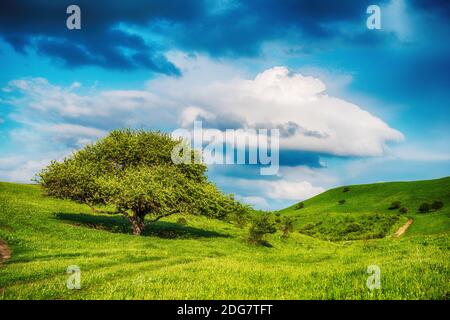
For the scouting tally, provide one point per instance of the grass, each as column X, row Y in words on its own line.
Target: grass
column 209, row 259
column 366, row 214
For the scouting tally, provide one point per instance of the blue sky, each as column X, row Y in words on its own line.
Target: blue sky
column 380, row 97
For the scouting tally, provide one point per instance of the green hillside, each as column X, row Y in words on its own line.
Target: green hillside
column 210, row 259
column 366, row 214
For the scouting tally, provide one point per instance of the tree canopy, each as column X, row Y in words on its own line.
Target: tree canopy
column 133, row 171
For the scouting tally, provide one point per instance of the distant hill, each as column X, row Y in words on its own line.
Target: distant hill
column 365, row 214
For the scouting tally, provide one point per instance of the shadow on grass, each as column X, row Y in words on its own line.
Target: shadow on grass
column 119, row 224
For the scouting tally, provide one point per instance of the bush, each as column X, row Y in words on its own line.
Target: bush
column 261, row 225
column 341, row 201
column 395, row 205
column 403, row 210
column 240, row 215
column 182, row 220
column 424, row 207
column 299, row 206
column 353, row 227
column 307, row 226
column 346, row 189
column 286, row 226
column 436, row 205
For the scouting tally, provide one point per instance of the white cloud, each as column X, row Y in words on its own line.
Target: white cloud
column 72, row 135
column 20, row 169
column 418, row 153
column 395, row 17
column 64, row 135
column 256, row 201
column 324, row 177
column 44, row 98
column 276, row 97
column 281, row 189
column 292, row 190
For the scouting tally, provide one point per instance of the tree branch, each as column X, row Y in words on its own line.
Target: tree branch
column 161, row 216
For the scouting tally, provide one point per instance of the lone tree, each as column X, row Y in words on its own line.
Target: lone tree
column 133, row 171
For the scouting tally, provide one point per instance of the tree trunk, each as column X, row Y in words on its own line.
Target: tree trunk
column 138, row 224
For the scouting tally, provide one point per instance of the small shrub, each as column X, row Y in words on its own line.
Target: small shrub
column 308, row 226
column 395, row 205
column 436, row 205
column 346, row 189
column 299, row 206
column 240, row 215
column 260, row 226
column 182, row 220
column 353, row 227
column 424, row 207
column 287, row 225
column 341, row 201
column 403, row 210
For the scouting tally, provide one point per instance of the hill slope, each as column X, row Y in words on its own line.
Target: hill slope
column 366, row 214
column 203, row 259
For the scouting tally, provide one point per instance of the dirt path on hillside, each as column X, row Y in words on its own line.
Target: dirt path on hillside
column 5, row 252
column 403, row 228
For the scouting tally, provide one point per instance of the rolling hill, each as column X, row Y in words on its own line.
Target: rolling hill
column 365, row 214
column 210, row 259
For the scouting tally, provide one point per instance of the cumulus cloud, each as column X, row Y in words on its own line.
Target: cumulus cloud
column 41, row 96
column 256, row 201
column 71, row 135
column 299, row 106
column 292, row 190
column 20, row 169
column 280, row 189
column 308, row 118
column 419, row 153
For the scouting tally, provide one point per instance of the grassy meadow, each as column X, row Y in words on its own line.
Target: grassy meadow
column 365, row 214
column 325, row 257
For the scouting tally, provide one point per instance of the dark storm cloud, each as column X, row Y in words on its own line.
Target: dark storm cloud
column 242, row 29
column 220, row 28
column 440, row 7
column 42, row 25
